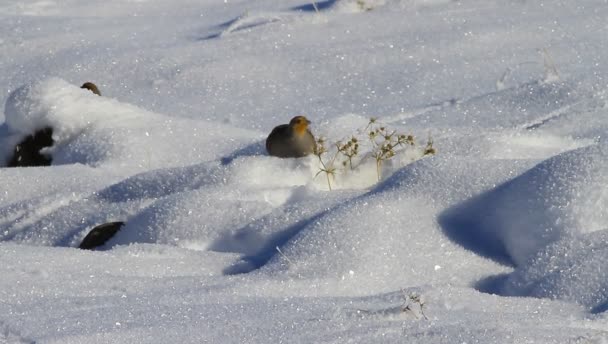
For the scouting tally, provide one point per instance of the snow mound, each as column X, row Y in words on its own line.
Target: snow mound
column 187, row 206
column 389, row 235
column 96, row 130
column 562, row 196
column 171, row 180
column 359, row 6
column 572, row 269
column 355, row 6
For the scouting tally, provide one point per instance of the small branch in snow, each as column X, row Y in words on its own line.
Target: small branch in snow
column 414, row 304
column 551, row 73
column 284, row 256
column 250, row 20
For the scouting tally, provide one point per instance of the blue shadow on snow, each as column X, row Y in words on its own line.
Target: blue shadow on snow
column 466, row 225
column 309, row 7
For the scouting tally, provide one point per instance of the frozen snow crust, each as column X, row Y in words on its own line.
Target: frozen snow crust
column 502, row 233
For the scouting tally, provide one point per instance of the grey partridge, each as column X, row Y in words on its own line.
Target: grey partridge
column 91, row 87
column 293, row 140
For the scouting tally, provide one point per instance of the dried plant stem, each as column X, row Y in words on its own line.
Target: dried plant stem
column 328, row 168
column 328, row 181
column 385, row 144
column 327, row 172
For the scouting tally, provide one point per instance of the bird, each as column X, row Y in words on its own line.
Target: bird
column 27, row 152
column 91, row 87
column 99, row 235
column 293, row 140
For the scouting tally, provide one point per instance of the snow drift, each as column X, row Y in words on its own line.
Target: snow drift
column 221, row 239
column 562, row 196
column 572, row 269
column 94, row 130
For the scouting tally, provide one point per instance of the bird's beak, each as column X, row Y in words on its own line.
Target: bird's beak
column 308, row 121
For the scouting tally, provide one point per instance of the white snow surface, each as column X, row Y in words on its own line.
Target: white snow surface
column 500, row 237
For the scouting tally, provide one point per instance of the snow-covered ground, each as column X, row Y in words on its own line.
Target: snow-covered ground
column 500, row 237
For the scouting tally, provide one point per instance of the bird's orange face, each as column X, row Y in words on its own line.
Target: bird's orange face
column 299, row 124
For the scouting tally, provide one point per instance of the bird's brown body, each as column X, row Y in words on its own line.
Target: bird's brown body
column 91, row 87
column 293, row 140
